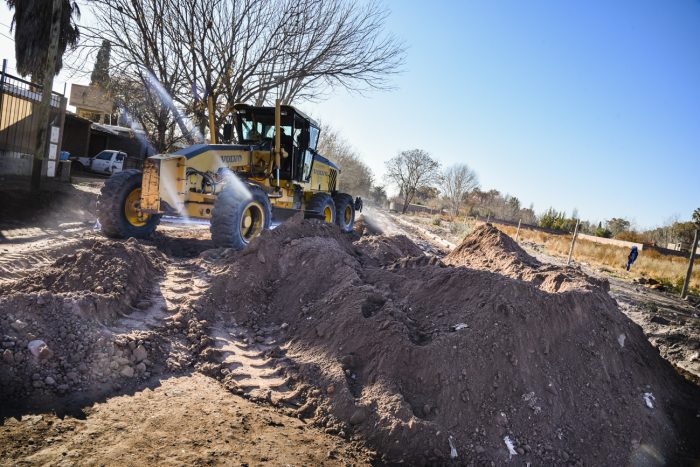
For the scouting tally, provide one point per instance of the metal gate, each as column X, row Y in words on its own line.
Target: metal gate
column 18, row 125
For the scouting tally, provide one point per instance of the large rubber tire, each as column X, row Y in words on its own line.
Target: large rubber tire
column 117, row 207
column 344, row 212
column 231, row 214
column 323, row 205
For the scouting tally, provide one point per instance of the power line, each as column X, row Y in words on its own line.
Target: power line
column 7, row 37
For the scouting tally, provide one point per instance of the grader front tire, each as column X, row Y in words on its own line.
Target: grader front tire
column 118, row 207
column 236, row 221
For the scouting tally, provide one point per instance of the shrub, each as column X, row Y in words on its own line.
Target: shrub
column 460, row 229
column 437, row 220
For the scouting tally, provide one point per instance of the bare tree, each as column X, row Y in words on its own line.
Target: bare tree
column 410, row 171
column 355, row 177
column 458, row 181
column 247, row 50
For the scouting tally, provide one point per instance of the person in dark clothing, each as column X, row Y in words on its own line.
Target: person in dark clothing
column 303, row 139
column 632, row 257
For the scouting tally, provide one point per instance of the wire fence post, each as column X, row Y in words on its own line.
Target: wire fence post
column 573, row 242
column 488, row 218
column 2, row 83
column 686, row 284
column 517, row 232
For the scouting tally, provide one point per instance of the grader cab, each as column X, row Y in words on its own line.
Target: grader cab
column 271, row 172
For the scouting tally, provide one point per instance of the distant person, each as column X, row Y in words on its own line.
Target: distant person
column 631, row 258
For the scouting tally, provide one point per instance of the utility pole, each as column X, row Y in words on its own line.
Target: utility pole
column 44, row 108
column 212, row 128
column 573, row 242
column 684, row 292
column 517, row 232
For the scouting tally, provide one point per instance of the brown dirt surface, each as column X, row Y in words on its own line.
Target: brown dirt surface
column 110, row 268
column 489, row 249
column 187, row 420
column 434, row 364
column 386, row 250
column 53, row 324
column 344, row 341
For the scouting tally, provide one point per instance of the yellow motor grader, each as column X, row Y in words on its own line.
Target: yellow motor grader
column 271, row 172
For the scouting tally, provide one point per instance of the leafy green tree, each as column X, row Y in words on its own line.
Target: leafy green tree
column 683, row 232
column 601, row 231
column 100, row 74
column 696, row 217
column 31, row 22
column 617, row 225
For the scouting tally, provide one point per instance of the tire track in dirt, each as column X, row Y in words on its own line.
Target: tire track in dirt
column 247, row 365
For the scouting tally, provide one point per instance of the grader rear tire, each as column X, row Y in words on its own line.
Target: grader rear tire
column 344, row 212
column 118, row 207
column 323, row 205
column 236, row 221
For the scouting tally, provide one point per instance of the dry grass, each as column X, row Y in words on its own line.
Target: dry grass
column 651, row 264
column 667, row 269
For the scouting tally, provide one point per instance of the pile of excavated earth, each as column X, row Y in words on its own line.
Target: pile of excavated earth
column 483, row 356
column 52, row 323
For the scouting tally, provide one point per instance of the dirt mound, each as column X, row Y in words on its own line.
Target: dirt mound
column 386, row 250
column 489, row 249
column 53, row 346
column 52, row 324
column 115, row 274
column 443, row 364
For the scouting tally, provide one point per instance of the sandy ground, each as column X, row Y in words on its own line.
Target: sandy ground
column 183, row 420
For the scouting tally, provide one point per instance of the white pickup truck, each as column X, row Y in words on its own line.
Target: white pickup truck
column 105, row 162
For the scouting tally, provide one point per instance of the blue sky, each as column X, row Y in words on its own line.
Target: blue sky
column 592, row 105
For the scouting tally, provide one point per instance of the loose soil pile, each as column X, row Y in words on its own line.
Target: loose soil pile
column 52, row 324
column 489, row 249
column 492, row 358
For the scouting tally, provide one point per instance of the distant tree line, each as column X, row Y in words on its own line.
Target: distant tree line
column 355, row 176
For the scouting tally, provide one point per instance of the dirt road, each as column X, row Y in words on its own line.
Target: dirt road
column 182, row 420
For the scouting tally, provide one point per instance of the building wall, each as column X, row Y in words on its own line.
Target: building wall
column 15, row 163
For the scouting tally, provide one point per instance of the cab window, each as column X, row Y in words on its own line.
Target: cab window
column 120, row 157
column 104, row 156
column 308, row 161
column 256, row 131
column 313, row 137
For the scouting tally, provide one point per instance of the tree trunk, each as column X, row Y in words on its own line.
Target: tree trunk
column 44, row 108
column 406, row 202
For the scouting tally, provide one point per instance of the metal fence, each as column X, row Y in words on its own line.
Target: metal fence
column 19, row 123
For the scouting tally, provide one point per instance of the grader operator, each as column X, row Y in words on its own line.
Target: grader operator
column 271, row 172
